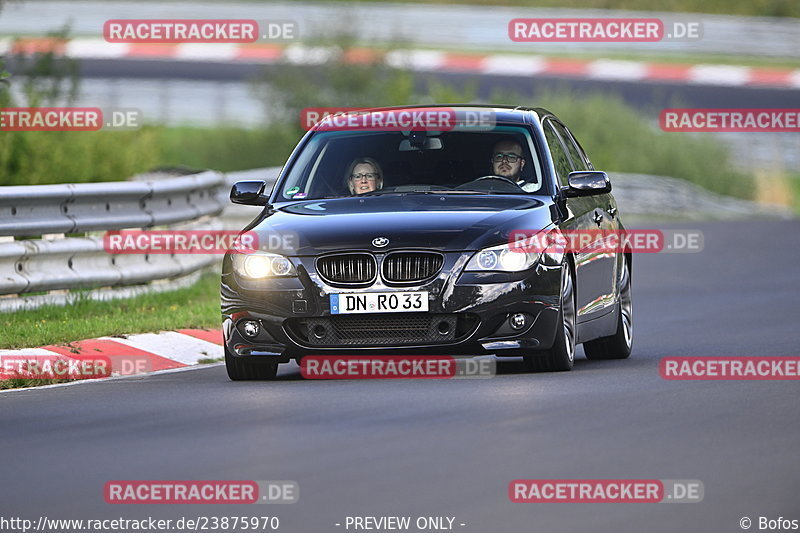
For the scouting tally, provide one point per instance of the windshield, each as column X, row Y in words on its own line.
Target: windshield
column 356, row 163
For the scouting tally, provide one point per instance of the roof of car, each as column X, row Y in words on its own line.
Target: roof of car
column 503, row 113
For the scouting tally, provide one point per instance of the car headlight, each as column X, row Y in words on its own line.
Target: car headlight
column 547, row 247
column 258, row 265
column 503, row 258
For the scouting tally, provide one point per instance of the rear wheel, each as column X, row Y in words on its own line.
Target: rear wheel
column 618, row 345
column 247, row 368
column 562, row 355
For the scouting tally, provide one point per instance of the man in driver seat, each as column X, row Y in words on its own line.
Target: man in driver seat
column 507, row 161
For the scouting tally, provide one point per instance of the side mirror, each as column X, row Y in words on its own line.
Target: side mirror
column 249, row 193
column 587, row 183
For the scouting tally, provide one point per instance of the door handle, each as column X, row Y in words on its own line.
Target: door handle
column 598, row 217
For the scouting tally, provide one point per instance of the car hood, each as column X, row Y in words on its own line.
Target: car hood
column 445, row 222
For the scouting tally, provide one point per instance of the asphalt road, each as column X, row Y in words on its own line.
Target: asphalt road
column 450, row 448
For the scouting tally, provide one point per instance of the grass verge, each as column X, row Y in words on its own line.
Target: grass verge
column 210, row 360
column 21, row 383
column 190, row 307
column 795, row 181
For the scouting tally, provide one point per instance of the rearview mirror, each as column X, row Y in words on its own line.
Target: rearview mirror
column 587, row 183
column 428, row 143
column 249, row 193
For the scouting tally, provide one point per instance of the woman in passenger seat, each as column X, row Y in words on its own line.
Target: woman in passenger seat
column 364, row 175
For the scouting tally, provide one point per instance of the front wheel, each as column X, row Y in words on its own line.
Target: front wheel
column 248, row 369
column 618, row 345
column 562, row 355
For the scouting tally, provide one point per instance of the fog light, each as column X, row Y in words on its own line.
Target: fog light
column 517, row 321
column 250, row 328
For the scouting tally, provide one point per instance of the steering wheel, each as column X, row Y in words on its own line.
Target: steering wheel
column 502, row 179
column 496, row 177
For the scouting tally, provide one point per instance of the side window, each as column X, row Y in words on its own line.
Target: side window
column 560, row 158
column 578, row 160
column 585, row 157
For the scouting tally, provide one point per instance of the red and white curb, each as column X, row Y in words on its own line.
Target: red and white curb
column 152, row 352
column 419, row 60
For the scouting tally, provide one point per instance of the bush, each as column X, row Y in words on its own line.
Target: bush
column 37, row 157
column 617, row 137
column 227, row 148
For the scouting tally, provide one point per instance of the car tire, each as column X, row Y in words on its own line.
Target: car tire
column 247, row 369
column 618, row 345
column 561, row 356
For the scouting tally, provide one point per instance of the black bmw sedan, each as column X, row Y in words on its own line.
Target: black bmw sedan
column 398, row 231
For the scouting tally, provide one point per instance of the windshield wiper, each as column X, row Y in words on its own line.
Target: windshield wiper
column 473, row 191
column 443, row 191
column 376, row 193
column 447, row 191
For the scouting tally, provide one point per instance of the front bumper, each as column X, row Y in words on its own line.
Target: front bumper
column 468, row 314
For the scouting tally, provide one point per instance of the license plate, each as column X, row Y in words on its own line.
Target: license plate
column 379, row 302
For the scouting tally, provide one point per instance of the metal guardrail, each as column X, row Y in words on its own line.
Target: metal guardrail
column 57, row 259
column 32, row 210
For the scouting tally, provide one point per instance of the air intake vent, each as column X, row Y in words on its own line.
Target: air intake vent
column 381, row 329
column 347, row 268
column 408, row 267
